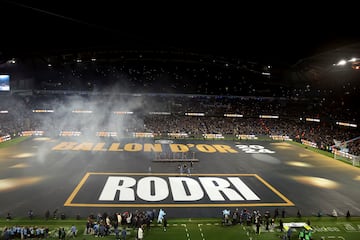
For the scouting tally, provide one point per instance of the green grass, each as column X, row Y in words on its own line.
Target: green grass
column 12, row 142
column 325, row 153
column 209, row 229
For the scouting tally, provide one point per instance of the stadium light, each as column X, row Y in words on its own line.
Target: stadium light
column 353, row 59
column 341, row 63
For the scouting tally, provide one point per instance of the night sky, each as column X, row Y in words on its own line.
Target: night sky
column 286, row 32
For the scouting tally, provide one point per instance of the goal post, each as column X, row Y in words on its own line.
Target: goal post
column 344, row 156
column 341, row 151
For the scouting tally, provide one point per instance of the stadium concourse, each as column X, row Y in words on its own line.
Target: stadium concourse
column 75, row 176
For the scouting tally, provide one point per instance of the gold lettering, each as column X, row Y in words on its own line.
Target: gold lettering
column 115, row 147
column 65, row 146
column 99, row 147
column 132, row 147
column 148, row 147
column 178, row 148
column 84, row 146
column 224, row 148
column 205, row 148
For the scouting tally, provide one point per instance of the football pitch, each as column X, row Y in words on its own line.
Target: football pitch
column 187, row 178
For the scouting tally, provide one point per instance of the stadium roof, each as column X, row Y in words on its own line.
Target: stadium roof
column 297, row 36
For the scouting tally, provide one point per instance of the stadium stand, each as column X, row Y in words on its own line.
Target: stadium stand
column 190, row 94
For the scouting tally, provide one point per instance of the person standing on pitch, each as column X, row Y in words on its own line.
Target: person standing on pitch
column 165, row 223
column 140, row 233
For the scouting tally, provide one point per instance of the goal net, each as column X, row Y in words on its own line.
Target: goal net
column 341, row 151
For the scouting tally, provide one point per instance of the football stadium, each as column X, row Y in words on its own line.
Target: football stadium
column 132, row 137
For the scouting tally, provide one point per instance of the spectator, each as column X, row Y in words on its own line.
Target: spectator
column 348, row 214
column 165, row 223
column 281, row 225
column 334, row 213
column 62, row 233
column 55, row 213
column 288, row 233
column 123, row 233
column 47, row 214
column 140, row 233
column 283, row 213
column 31, row 214
column 73, row 231
column 276, row 213
column 8, row 217
column 117, row 235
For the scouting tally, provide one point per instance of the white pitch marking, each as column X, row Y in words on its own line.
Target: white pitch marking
column 200, row 229
column 186, row 230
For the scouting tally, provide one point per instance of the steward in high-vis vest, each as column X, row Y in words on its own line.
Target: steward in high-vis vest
column 302, row 235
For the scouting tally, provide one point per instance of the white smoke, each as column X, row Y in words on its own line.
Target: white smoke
column 90, row 114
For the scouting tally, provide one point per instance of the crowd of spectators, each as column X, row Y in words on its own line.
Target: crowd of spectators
column 119, row 223
column 25, row 232
column 175, row 83
column 291, row 117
